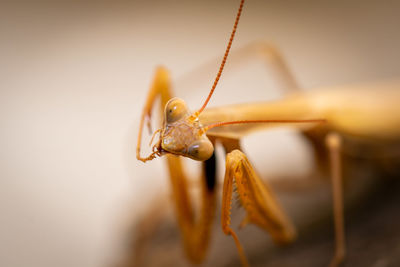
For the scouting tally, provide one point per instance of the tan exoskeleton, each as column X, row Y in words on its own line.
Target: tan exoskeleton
column 333, row 113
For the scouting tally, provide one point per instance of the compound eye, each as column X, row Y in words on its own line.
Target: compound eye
column 201, row 150
column 175, row 109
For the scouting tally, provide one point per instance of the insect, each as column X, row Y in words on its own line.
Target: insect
column 330, row 116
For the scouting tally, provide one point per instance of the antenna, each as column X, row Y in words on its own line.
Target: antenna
column 218, row 124
column 224, row 59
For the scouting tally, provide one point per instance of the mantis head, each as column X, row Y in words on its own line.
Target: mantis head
column 182, row 134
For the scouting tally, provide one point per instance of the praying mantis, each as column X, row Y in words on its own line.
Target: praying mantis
column 325, row 117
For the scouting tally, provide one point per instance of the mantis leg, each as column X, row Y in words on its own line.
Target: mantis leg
column 195, row 233
column 159, row 88
column 275, row 62
column 195, row 230
column 268, row 53
column 256, row 197
column 333, row 142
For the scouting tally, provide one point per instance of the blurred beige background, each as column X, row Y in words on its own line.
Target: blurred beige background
column 73, row 80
